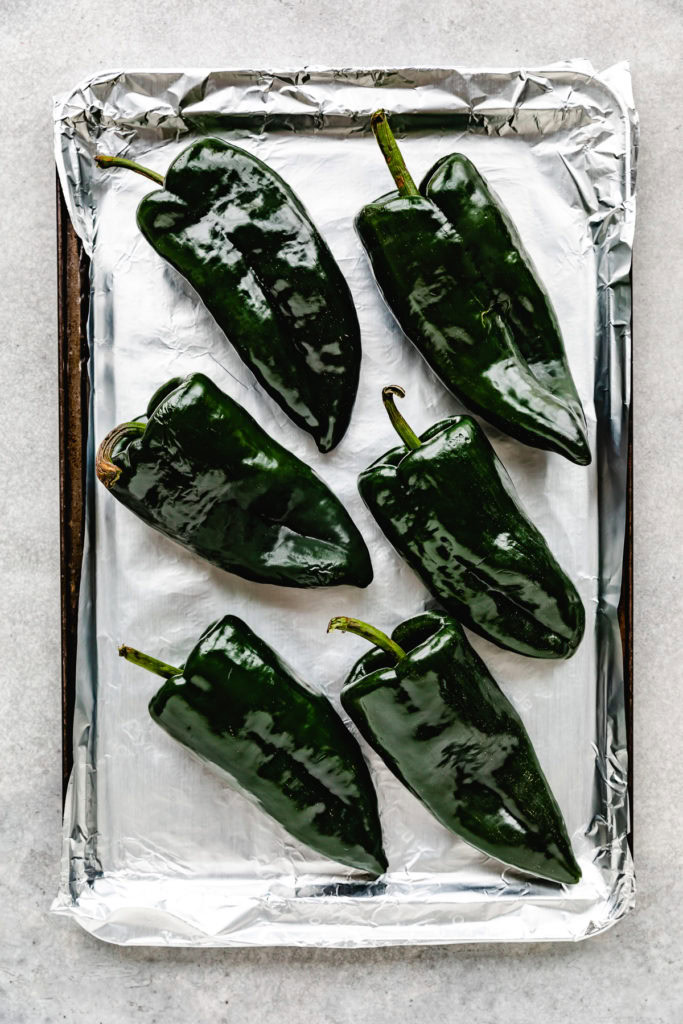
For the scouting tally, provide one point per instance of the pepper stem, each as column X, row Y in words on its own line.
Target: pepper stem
column 103, row 160
column 160, row 668
column 375, row 636
column 392, row 154
column 105, row 470
column 403, row 429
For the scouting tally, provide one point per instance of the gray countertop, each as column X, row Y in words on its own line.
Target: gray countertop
column 51, row 971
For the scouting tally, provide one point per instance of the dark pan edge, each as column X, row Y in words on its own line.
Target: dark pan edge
column 72, row 298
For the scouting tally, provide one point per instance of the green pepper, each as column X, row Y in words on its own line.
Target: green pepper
column 230, row 225
column 427, row 704
column 446, row 503
column 461, row 193
column 243, row 711
column 433, row 281
column 204, row 473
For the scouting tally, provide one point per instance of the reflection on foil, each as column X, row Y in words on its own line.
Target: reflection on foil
column 156, row 849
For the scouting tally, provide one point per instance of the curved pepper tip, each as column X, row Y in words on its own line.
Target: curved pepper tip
column 582, row 453
column 380, row 864
column 559, row 866
column 360, row 571
column 371, row 860
column 565, row 869
column 573, row 444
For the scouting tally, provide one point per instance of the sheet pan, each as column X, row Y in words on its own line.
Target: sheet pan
column 155, row 849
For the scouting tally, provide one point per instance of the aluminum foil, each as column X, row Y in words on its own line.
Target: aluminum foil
column 156, row 849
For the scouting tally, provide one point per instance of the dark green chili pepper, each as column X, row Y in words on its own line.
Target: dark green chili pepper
column 241, row 709
column 446, row 503
column 230, row 225
column 204, row 473
column 427, row 704
column 455, row 185
column 434, row 283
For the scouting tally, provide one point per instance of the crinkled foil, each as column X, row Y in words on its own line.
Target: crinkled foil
column 156, row 849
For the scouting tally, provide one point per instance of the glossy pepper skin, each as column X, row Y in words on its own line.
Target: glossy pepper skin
column 203, row 472
column 432, row 281
column 462, row 194
column 242, row 238
column 240, row 708
column 443, row 726
column 451, row 511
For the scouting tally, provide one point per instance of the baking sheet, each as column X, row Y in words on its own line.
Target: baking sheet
column 156, row 850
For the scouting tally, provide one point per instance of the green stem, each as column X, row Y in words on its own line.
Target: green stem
column 105, row 470
column 403, row 429
column 102, row 160
column 375, row 636
column 392, row 154
column 160, row 668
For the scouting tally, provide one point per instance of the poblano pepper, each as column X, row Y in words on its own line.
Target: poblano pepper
column 241, row 709
column 204, row 473
column 242, row 238
column 449, row 303
column 455, row 185
column 427, row 704
column 446, row 503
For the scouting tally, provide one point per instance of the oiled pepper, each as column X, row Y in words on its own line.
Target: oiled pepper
column 446, row 503
column 242, row 238
column 203, row 472
column 455, row 185
column 243, row 711
column 427, row 704
column 449, row 304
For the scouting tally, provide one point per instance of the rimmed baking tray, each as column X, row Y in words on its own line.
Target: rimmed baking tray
column 75, row 327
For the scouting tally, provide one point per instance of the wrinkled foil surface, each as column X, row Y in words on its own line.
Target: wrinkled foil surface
column 157, row 850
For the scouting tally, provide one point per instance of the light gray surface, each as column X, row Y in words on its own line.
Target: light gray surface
column 49, row 970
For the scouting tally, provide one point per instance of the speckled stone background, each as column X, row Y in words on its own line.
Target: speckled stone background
column 50, row 971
